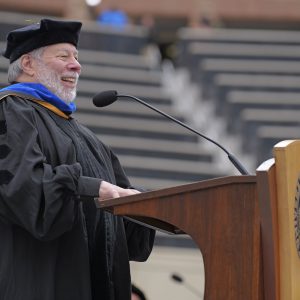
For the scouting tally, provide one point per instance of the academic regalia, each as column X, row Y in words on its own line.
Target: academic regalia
column 55, row 244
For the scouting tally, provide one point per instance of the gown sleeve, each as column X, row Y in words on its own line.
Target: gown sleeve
column 41, row 199
column 140, row 239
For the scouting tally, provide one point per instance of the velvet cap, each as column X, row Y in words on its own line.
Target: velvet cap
column 47, row 32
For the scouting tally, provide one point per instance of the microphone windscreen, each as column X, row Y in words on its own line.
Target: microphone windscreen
column 105, row 98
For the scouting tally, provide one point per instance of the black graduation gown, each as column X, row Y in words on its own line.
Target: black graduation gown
column 55, row 244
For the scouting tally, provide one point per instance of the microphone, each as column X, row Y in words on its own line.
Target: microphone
column 180, row 280
column 108, row 97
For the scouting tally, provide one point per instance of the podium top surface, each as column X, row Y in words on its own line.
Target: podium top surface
column 190, row 187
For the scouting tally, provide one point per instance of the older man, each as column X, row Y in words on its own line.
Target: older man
column 55, row 244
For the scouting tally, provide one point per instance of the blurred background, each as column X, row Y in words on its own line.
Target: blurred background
column 230, row 69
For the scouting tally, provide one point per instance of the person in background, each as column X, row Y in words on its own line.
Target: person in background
column 55, row 243
column 113, row 17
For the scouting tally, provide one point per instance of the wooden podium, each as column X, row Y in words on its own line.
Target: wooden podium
column 236, row 224
column 221, row 216
column 279, row 197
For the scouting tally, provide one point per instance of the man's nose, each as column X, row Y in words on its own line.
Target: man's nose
column 74, row 65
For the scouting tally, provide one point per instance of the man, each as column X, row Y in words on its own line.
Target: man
column 55, row 243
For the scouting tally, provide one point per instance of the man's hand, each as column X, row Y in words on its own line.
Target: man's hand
column 108, row 191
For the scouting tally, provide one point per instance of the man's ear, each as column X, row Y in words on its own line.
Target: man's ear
column 27, row 64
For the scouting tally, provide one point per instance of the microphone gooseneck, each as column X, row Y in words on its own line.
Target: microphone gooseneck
column 108, row 97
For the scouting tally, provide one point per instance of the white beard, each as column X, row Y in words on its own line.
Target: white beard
column 51, row 80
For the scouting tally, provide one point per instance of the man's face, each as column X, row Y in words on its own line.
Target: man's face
column 58, row 70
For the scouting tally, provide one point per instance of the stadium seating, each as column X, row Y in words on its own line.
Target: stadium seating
column 251, row 78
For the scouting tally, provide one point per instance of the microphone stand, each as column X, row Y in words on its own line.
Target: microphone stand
column 231, row 157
